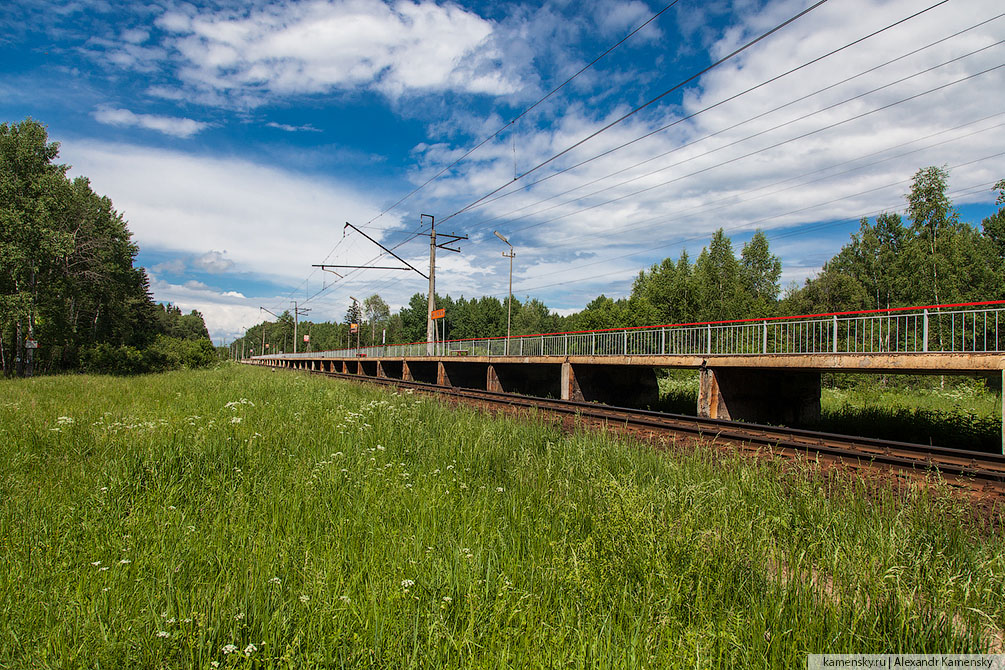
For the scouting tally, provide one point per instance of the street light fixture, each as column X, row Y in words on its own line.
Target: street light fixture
column 356, row 314
column 509, row 304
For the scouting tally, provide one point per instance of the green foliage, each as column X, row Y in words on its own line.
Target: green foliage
column 718, row 287
column 66, row 268
column 163, row 354
column 171, row 322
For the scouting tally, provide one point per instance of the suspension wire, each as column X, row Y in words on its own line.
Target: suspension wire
column 526, row 111
column 414, row 234
column 392, row 280
column 638, row 109
column 750, row 225
column 751, row 153
column 731, row 200
column 693, row 115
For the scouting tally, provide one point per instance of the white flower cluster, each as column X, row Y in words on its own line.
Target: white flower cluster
column 234, row 404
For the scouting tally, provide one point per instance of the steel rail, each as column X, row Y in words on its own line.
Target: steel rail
column 971, row 468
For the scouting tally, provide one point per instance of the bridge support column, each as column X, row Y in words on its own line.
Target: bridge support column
column 568, row 383
column 406, row 373
column 619, row 385
column 492, row 380
column 757, row 395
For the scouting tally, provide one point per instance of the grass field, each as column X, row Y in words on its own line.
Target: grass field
column 243, row 517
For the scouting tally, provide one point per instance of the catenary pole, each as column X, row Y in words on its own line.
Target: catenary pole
column 509, row 302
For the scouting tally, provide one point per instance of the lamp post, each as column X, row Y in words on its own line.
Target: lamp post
column 355, row 313
column 509, row 303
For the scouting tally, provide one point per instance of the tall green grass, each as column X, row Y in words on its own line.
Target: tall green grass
column 248, row 518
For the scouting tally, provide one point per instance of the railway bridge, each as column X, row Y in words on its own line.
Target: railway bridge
column 764, row 370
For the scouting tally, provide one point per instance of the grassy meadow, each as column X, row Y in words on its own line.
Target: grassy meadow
column 247, row 518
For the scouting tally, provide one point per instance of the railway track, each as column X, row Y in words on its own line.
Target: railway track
column 973, row 470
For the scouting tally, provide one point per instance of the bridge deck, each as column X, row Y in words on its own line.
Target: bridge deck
column 889, row 363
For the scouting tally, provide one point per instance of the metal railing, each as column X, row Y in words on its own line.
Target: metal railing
column 967, row 328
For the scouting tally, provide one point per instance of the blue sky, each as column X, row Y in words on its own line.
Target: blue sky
column 238, row 137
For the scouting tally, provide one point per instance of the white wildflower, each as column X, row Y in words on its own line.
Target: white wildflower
column 215, row 664
column 125, row 561
column 304, row 598
column 163, row 633
column 250, row 649
column 235, row 419
column 229, row 648
column 96, row 563
column 448, row 599
column 499, row 489
column 407, row 583
column 238, row 616
column 276, row 580
column 104, row 489
column 345, row 599
column 102, row 569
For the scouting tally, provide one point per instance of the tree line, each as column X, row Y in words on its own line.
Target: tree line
column 932, row 257
column 67, row 277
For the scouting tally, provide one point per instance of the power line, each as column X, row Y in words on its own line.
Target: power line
column 734, row 199
column 494, row 135
column 731, row 199
column 757, row 151
column 740, row 94
column 393, row 282
column 526, row 111
column 710, row 107
column 641, row 107
column 755, row 223
column 749, row 225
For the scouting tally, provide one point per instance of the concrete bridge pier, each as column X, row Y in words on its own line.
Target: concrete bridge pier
column 618, row 385
column 787, row 397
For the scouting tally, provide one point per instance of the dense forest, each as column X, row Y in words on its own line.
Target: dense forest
column 67, row 279
column 932, row 257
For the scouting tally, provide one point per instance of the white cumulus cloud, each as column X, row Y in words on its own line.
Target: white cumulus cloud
column 317, row 47
column 169, row 125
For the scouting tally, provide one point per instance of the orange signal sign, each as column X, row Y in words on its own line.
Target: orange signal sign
column 437, row 313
